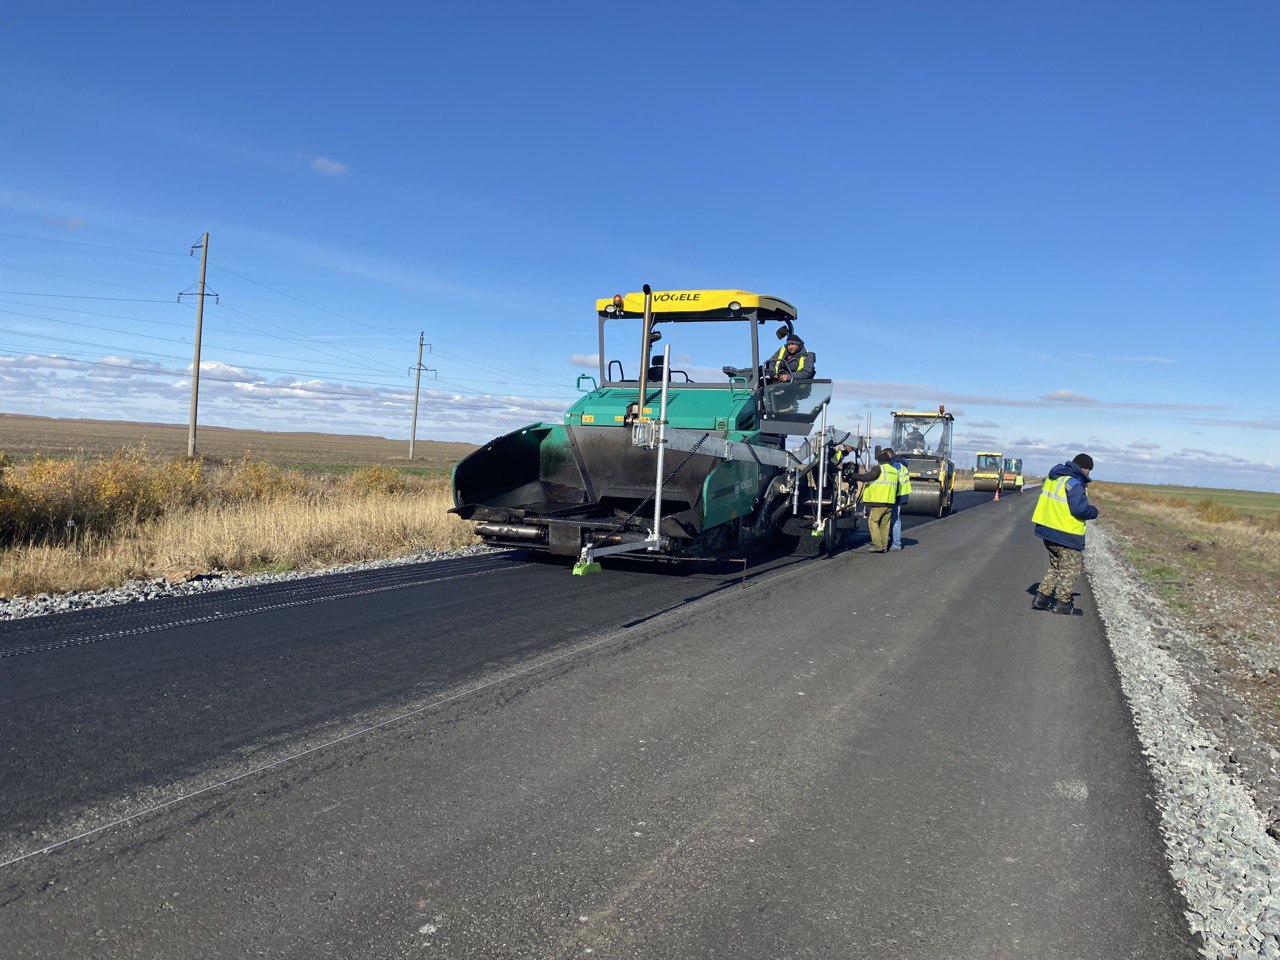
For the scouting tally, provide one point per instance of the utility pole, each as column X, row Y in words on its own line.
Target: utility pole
column 417, row 384
column 203, row 247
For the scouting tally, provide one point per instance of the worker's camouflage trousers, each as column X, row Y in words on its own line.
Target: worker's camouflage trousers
column 1065, row 567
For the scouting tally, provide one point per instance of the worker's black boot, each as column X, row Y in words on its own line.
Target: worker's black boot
column 1066, row 609
column 1041, row 602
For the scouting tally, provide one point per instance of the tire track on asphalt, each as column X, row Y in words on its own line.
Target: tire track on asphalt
column 12, row 646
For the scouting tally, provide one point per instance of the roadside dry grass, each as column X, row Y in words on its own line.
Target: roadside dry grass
column 95, row 522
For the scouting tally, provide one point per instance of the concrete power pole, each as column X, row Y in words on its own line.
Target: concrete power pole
column 203, row 246
column 417, row 384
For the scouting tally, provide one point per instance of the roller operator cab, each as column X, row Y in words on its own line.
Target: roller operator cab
column 592, row 480
column 923, row 442
column 1013, row 474
column 988, row 474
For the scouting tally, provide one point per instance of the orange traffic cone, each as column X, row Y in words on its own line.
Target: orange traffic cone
column 997, row 499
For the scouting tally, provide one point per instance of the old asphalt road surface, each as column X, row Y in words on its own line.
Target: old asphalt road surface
column 866, row 756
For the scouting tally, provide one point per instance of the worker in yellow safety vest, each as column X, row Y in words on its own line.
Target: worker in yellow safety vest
column 1060, row 517
column 880, row 493
column 791, row 362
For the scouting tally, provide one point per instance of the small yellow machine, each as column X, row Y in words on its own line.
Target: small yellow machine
column 1013, row 473
column 989, row 472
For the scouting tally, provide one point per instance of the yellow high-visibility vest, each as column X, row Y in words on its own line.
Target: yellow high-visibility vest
column 884, row 489
column 783, row 352
column 1053, row 510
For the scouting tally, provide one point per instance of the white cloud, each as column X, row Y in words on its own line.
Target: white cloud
column 66, row 223
column 879, row 390
column 130, row 389
column 330, row 167
column 216, row 368
column 1146, row 359
column 1144, row 445
column 1262, row 423
column 1067, row 396
column 589, row 360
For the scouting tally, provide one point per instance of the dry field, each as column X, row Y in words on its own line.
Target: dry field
column 1216, row 568
column 22, row 437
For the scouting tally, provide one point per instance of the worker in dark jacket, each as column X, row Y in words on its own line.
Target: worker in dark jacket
column 791, row 362
column 904, row 494
column 1060, row 517
column 880, row 494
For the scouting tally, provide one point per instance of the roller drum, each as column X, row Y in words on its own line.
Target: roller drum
column 925, row 500
column 988, row 485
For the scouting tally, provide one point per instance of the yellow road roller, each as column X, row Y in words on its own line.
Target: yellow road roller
column 989, row 472
column 923, row 442
column 1013, row 473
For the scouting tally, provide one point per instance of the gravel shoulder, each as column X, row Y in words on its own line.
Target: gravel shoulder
column 1208, row 750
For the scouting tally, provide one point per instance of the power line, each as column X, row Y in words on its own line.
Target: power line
column 508, row 372
column 91, row 313
column 523, row 378
column 100, row 246
column 318, row 374
column 323, row 374
column 149, row 354
column 76, row 296
column 168, row 323
column 143, row 371
column 321, row 348
column 63, row 276
column 308, row 303
column 80, row 296
column 250, row 331
column 319, row 391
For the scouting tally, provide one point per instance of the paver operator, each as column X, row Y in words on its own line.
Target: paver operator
column 791, row 362
column 1060, row 517
column 880, row 494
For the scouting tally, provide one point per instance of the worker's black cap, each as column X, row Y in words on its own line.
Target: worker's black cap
column 1083, row 461
column 884, row 456
column 794, row 338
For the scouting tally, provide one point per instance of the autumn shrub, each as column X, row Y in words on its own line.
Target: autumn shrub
column 179, row 483
column 62, row 496
column 1211, row 511
column 376, row 479
column 255, row 480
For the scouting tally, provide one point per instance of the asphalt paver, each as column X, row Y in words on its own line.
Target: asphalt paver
column 867, row 755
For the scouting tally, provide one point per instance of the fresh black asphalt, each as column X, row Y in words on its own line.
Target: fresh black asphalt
column 870, row 755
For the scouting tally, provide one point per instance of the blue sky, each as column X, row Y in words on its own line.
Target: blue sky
column 1059, row 220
